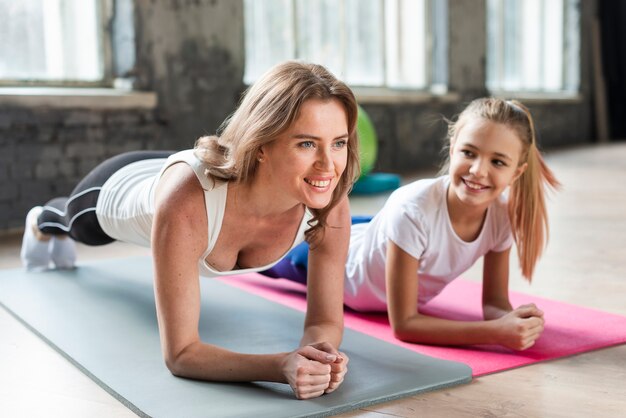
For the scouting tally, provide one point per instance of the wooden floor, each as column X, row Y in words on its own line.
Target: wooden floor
column 585, row 264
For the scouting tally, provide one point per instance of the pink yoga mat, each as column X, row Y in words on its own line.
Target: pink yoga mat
column 568, row 330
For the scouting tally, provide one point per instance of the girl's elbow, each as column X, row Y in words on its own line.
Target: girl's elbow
column 400, row 331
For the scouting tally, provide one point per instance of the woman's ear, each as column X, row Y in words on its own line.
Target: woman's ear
column 260, row 155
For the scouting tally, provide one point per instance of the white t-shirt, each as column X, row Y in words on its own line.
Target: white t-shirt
column 415, row 217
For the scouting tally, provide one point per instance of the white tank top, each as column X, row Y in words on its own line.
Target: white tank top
column 126, row 207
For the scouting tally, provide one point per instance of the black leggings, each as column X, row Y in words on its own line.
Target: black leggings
column 76, row 215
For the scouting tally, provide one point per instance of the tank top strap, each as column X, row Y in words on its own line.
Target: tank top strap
column 215, row 193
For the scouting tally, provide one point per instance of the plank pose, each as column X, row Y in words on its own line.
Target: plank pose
column 277, row 174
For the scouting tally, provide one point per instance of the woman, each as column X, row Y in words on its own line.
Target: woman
column 278, row 173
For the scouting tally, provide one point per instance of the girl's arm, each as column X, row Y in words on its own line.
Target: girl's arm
column 326, row 269
column 178, row 241
column 520, row 327
column 410, row 325
column 496, row 284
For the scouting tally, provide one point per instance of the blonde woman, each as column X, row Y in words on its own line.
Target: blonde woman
column 277, row 174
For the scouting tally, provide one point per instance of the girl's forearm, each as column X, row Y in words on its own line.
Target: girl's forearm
column 430, row 330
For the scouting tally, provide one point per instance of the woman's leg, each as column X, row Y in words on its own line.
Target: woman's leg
column 294, row 265
column 76, row 216
column 47, row 226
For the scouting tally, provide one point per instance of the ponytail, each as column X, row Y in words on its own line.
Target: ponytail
column 527, row 204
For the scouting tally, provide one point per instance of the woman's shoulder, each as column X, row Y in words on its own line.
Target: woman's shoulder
column 179, row 189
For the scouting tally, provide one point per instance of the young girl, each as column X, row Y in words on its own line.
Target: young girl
column 431, row 231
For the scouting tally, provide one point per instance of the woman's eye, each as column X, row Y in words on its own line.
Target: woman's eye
column 306, row 144
column 341, row 143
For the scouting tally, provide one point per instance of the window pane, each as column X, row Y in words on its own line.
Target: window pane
column 268, row 35
column 364, row 42
column 406, row 43
column 364, row 48
column 532, row 45
column 320, row 36
column 22, row 30
column 50, row 40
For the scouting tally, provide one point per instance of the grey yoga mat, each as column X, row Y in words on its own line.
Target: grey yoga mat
column 102, row 318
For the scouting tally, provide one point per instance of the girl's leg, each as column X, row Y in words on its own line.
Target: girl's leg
column 294, row 265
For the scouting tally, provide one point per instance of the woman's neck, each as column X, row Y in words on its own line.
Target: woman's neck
column 253, row 200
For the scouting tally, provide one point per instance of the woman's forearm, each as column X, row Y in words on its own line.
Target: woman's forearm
column 326, row 332
column 208, row 362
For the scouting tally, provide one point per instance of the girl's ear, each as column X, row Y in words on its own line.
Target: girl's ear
column 451, row 147
column 518, row 172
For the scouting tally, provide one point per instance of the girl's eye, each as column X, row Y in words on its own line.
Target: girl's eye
column 306, row 144
column 340, row 144
column 499, row 163
column 467, row 153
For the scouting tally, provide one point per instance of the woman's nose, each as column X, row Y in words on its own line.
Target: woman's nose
column 324, row 160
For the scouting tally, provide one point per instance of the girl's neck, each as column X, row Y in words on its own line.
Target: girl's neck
column 466, row 220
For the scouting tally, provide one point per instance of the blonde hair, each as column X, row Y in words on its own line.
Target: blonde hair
column 268, row 108
column 526, row 205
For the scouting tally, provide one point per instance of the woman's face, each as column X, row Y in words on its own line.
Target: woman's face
column 484, row 160
column 307, row 160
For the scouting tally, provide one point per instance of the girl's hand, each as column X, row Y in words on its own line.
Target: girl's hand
column 520, row 328
column 308, row 371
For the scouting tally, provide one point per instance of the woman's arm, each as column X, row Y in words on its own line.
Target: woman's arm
column 326, row 270
column 410, row 325
column 178, row 241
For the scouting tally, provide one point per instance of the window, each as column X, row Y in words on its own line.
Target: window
column 533, row 45
column 63, row 42
column 377, row 43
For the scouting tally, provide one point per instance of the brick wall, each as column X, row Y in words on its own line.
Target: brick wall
column 45, row 152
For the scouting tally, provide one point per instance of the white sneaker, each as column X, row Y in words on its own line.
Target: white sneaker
column 35, row 254
column 63, row 252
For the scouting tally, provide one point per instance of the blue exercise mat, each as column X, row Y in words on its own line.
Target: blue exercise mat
column 102, row 318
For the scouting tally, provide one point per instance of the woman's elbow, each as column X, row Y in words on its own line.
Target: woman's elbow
column 173, row 364
column 174, row 361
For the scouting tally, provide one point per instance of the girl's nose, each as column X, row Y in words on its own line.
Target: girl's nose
column 478, row 168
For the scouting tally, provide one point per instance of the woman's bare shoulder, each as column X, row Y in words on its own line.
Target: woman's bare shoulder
column 180, row 197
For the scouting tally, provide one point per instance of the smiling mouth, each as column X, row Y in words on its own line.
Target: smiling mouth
column 322, row 184
column 474, row 186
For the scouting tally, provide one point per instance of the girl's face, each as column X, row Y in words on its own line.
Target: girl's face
column 484, row 160
column 306, row 162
